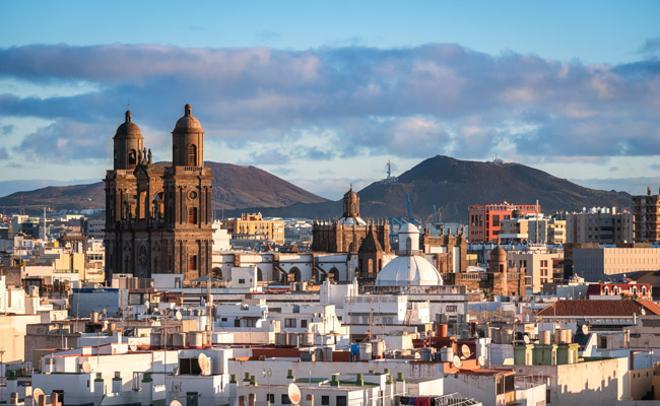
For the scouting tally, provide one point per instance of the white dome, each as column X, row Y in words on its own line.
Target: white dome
column 349, row 221
column 410, row 270
column 408, row 228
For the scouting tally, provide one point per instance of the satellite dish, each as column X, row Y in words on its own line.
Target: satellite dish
column 481, row 360
column 585, row 329
column 146, row 303
column 457, row 362
column 526, row 339
column 465, row 350
column 85, row 367
column 294, row 394
column 133, row 347
column 204, row 364
column 37, row 393
column 178, row 315
column 175, row 403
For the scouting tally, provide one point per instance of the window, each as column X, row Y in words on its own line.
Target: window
column 325, row 400
column 451, row 308
column 241, row 281
column 286, row 400
column 290, row 323
column 270, row 397
column 189, row 366
column 341, row 401
column 192, row 154
column 192, row 215
column 303, row 323
column 192, row 263
column 192, row 398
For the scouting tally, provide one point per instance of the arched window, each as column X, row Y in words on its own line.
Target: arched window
column 607, row 290
column 408, row 244
column 216, row 273
column 294, row 275
column 192, row 154
column 333, row 274
column 132, row 157
column 644, row 290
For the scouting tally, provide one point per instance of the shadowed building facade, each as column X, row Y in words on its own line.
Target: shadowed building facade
column 351, row 234
column 347, row 233
column 159, row 216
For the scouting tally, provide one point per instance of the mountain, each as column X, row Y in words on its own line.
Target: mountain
column 448, row 184
column 234, row 187
column 451, row 185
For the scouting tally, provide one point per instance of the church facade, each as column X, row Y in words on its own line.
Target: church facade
column 159, row 216
column 351, row 234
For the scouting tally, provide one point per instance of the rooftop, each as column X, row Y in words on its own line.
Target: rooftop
column 600, row 308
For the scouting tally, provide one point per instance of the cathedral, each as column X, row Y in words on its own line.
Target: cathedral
column 351, row 234
column 159, row 215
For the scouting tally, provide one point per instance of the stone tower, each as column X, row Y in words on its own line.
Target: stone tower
column 128, row 144
column 351, row 204
column 158, row 216
column 188, row 200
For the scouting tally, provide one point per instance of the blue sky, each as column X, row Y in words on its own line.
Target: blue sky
column 324, row 93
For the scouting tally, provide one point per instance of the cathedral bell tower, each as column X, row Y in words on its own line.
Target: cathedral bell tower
column 188, row 200
column 128, row 144
column 188, row 140
column 351, row 204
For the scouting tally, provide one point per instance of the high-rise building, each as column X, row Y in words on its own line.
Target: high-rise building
column 485, row 219
column 602, row 225
column 533, row 229
column 159, row 216
column 646, row 212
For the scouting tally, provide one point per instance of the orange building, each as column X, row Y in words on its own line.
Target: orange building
column 484, row 219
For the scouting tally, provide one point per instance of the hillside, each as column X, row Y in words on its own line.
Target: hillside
column 235, row 187
column 451, row 185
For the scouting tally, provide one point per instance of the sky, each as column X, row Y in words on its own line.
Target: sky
column 323, row 94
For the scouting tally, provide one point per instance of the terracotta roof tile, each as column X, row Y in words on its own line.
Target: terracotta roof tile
column 600, row 308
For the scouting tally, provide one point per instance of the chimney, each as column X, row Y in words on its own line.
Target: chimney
column 99, row 386
column 117, row 383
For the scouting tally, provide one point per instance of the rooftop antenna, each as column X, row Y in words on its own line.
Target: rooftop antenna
column 388, row 168
column 45, row 232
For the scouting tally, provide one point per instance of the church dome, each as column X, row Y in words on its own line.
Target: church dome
column 188, row 122
column 409, row 228
column 128, row 129
column 352, row 221
column 410, row 270
column 498, row 254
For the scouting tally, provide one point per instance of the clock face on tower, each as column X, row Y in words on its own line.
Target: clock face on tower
column 192, row 195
